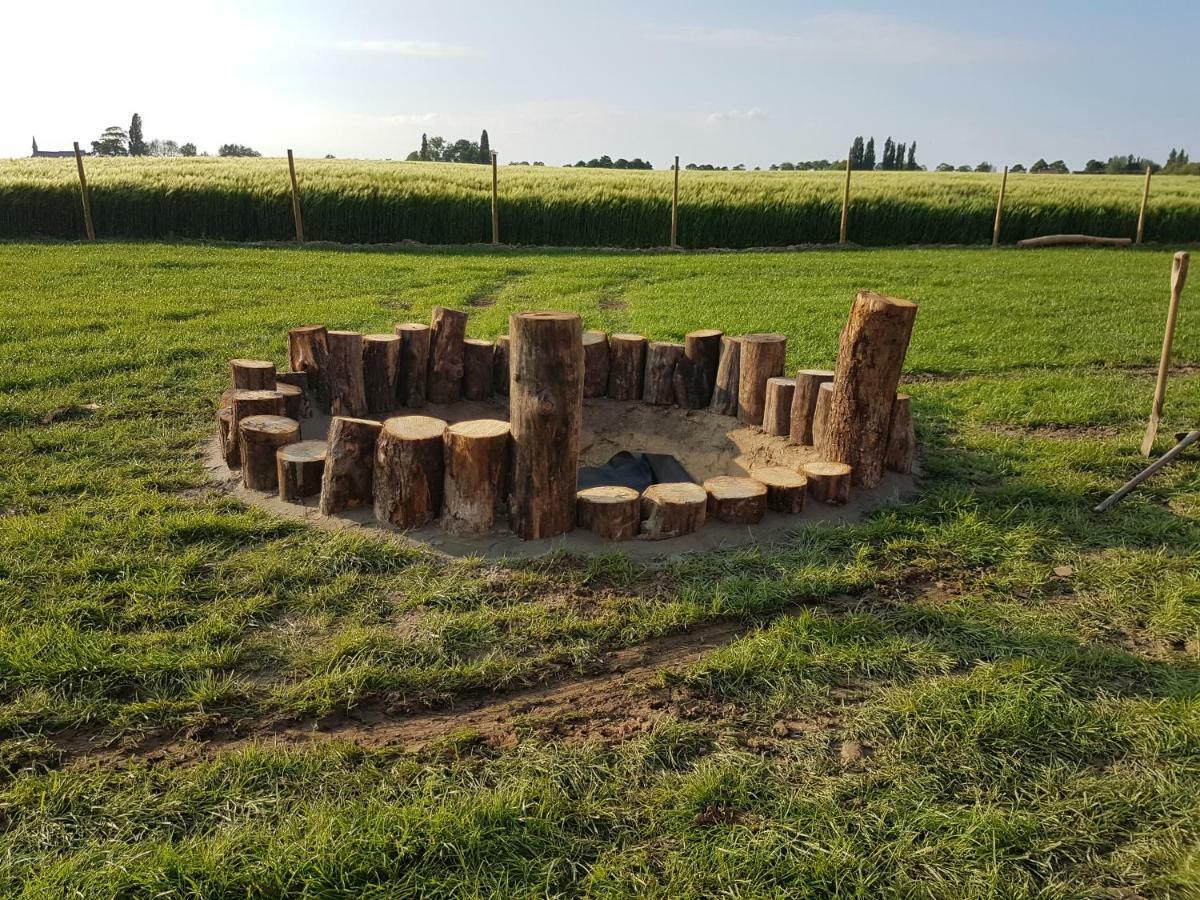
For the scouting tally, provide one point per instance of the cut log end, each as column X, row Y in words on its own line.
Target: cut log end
column 609, row 511
column 252, row 374
column 732, row 498
column 258, row 439
column 300, row 467
column 673, row 509
column 777, row 410
column 785, row 488
column 477, row 458
column 828, row 482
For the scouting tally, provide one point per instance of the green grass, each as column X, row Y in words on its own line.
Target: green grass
column 1020, row 733
column 356, row 201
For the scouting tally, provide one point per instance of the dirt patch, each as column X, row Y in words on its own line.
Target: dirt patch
column 1057, row 432
column 612, row 302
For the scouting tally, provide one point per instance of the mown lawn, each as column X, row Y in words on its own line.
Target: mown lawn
column 938, row 713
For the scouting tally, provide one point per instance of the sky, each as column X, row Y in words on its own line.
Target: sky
column 724, row 83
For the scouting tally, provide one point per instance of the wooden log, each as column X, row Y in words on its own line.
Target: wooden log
column 702, row 350
column 658, row 385
column 258, row 439
column 828, row 482
column 477, row 369
column 804, row 404
column 785, row 488
column 299, row 468
column 409, row 471
column 626, row 366
column 349, row 472
column 762, row 357
column 252, row 374
column 871, row 353
column 820, row 425
column 732, row 498
column 725, row 390
column 902, row 438
column 610, row 511
column 777, row 412
column 244, row 404
column 688, row 384
column 381, row 371
column 307, row 347
column 448, row 328
column 293, row 400
column 545, row 396
column 1067, row 240
column 414, row 364
column 595, row 364
column 224, row 420
column 476, row 453
column 298, row 380
column 343, row 373
column 500, row 366
column 673, row 509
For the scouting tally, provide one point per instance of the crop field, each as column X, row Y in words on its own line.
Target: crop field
column 435, row 203
column 986, row 691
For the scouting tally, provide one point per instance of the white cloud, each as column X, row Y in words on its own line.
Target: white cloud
column 424, row 49
column 735, row 115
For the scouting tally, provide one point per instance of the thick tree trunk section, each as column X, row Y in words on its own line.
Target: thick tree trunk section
column 252, row 374
column 500, row 366
column 658, row 387
column 409, row 471
column 477, row 369
column 762, row 358
column 307, row 346
column 293, row 400
column 259, row 437
column 476, row 454
column 870, row 356
column 414, row 364
column 702, row 350
column 735, row 499
column 448, row 329
column 595, row 364
column 777, row 412
column 545, row 409
column 349, row 464
column 244, row 404
column 343, row 373
column 804, row 404
column 902, row 438
column 785, row 488
column 381, row 370
column 672, row 510
column 820, row 424
column 626, row 366
column 610, row 511
column 299, row 469
column 725, row 391
column 828, row 482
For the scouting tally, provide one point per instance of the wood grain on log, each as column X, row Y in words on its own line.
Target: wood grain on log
column 244, row 404
column 725, row 391
column 777, row 412
column 476, row 454
column 349, row 472
column 595, row 364
column 785, row 488
column 409, row 471
column 258, row 439
column 609, row 511
column 626, row 366
column 828, row 482
column 673, row 509
column 732, row 498
column 307, row 347
column 762, row 357
column 658, row 385
column 343, row 373
column 500, row 366
column 820, row 423
column 702, row 350
column 478, row 356
column 804, row 404
column 252, row 374
column 448, row 329
column 902, row 438
column 414, row 364
column 381, row 371
column 300, row 467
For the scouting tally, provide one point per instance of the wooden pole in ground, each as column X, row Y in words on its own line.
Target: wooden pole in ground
column 308, row 346
column 999, row 209
column 495, row 202
column 845, row 206
column 777, row 408
column 476, row 456
column 381, row 370
column 349, row 464
column 1141, row 228
column 725, row 389
column 626, row 366
column 478, row 356
column 762, row 357
column 902, row 437
column 448, row 329
column 295, row 200
column 343, row 373
column 675, row 209
column 804, row 404
column 414, row 363
column 1179, row 270
column 409, row 471
column 88, row 228
column 595, row 364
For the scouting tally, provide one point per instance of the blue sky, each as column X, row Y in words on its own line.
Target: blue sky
column 726, row 83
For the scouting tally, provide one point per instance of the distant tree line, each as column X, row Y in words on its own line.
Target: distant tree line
column 709, row 167
column 607, row 162
column 438, row 149
column 117, row 141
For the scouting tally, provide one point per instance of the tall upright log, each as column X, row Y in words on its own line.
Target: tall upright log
column 762, row 357
column 777, row 412
column 609, row 511
column 244, row 404
column 299, row 469
column 477, row 369
column 702, row 349
column 258, row 439
column 500, row 366
column 306, row 352
column 871, row 353
column 349, row 472
column 343, row 373
column 658, row 386
column 448, row 331
column 252, row 374
column 626, row 366
column 476, row 454
column 409, row 471
column 545, row 397
column 673, row 509
column 725, row 390
column 820, row 423
column 414, row 364
column 902, row 438
column 595, row 364
column 381, row 370
column 804, row 404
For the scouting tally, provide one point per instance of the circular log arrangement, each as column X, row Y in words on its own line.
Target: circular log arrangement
column 732, row 498
column 610, row 511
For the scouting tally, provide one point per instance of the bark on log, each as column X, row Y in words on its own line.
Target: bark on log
column 381, row 371
column 293, row 400
column 546, row 408
column 244, row 404
column 595, row 364
column 349, row 464
column 658, row 386
column 500, row 366
column 299, row 469
column 297, row 380
column 252, row 374
column 762, row 357
column 902, row 438
column 828, row 482
column 1064, row 240
column 258, row 438
column 732, row 498
column 673, row 509
column 785, row 488
column 343, row 373
column 804, row 404
column 870, row 356
column 777, row 413
column 307, row 346
column 688, row 384
column 477, row 369
column 409, row 471
column 476, row 454
column 820, row 426
column 725, row 391
column 448, row 329
column 702, row 350
column 610, row 511
column 626, row 366
column 414, row 364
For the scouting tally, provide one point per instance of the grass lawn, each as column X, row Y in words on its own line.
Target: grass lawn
column 990, row 691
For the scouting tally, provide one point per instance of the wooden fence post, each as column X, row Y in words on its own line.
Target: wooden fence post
column 89, row 228
column 845, row 204
column 999, row 209
column 295, row 200
column 495, row 203
column 1141, row 229
column 675, row 209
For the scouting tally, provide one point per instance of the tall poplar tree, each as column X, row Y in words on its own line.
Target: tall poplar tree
column 137, row 143
column 485, row 149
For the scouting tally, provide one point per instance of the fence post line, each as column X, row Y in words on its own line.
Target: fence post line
column 999, row 209
column 495, row 202
column 1141, row 229
column 295, row 199
column 845, row 204
column 88, row 227
column 675, row 209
